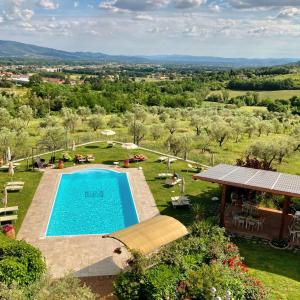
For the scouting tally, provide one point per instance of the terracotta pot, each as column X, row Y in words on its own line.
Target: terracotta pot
column 60, row 164
column 11, row 234
column 126, row 163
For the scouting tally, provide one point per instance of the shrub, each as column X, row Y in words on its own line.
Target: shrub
column 128, row 286
column 20, row 263
column 67, row 288
column 160, row 282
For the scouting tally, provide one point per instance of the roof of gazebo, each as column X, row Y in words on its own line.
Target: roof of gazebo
column 259, row 180
column 150, row 235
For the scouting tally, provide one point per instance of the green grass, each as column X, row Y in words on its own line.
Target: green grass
column 283, row 94
column 278, row 270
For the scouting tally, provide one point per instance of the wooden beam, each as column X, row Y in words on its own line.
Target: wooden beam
column 223, row 205
column 285, row 212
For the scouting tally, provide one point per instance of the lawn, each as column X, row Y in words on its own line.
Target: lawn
column 282, row 276
column 283, row 94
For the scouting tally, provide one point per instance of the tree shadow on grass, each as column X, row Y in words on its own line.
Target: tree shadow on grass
column 91, row 147
column 185, row 214
column 263, row 258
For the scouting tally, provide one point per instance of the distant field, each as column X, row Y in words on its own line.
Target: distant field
column 18, row 91
column 284, row 94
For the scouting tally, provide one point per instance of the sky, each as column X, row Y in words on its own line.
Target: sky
column 227, row 28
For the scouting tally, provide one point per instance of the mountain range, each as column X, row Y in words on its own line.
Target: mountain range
column 12, row 49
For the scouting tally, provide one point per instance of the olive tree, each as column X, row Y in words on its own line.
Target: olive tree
column 220, row 131
column 96, row 122
column 172, row 126
column 138, row 130
column 156, row 130
column 25, row 113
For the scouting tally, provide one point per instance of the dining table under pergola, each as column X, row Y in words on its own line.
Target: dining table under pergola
column 277, row 183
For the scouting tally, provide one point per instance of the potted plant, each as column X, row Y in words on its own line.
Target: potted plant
column 60, row 164
column 9, row 231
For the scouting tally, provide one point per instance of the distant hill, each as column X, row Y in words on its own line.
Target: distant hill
column 11, row 49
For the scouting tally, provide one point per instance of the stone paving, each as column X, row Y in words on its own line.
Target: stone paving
column 86, row 255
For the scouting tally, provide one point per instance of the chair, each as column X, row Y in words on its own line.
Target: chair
column 180, row 201
column 171, row 160
column 172, row 182
column 251, row 223
column 9, row 209
column 260, row 223
column 241, row 222
column 10, row 217
column 14, row 188
column 164, row 175
column 162, row 158
column 15, row 183
column 90, row 158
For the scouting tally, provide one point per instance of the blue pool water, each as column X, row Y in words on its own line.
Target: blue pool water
column 93, row 201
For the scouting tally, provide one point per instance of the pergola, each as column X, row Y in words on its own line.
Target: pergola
column 150, row 235
column 277, row 183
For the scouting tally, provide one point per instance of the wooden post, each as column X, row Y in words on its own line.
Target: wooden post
column 223, row 205
column 285, row 212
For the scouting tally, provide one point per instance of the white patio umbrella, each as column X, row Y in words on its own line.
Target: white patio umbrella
column 108, row 132
column 182, row 186
column 73, row 146
column 11, row 170
column 129, row 146
column 8, row 154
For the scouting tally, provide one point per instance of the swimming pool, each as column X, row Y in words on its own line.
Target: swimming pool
column 93, row 201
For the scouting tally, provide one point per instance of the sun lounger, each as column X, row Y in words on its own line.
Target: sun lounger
column 15, row 183
column 172, row 182
column 162, row 158
column 180, row 201
column 9, row 209
column 170, row 160
column 8, row 218
column 164, row 175
column 90, row 158
column 14, row 188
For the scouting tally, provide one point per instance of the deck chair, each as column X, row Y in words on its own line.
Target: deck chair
column 180, row 201
column 14, row 188
column 9, row 209
column 171, row 182
column 9, row 218
column 162, row 158
column 164, row 175
column 15, row 183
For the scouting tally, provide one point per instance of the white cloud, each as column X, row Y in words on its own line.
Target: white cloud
column 215, row 8
column 289, row 13
column 183, row 4
column 246, row 4
column 143, row 17
column 76, row 4
column 48, row 4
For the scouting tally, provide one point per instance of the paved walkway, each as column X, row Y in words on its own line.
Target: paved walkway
column 84, row 255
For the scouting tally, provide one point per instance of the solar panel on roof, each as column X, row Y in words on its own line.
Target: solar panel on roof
column 285, row 184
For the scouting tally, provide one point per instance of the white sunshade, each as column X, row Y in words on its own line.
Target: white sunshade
column 8, row 154
column 108, row 132
column 129, row 146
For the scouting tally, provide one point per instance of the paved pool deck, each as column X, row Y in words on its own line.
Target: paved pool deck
column 86, row 255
